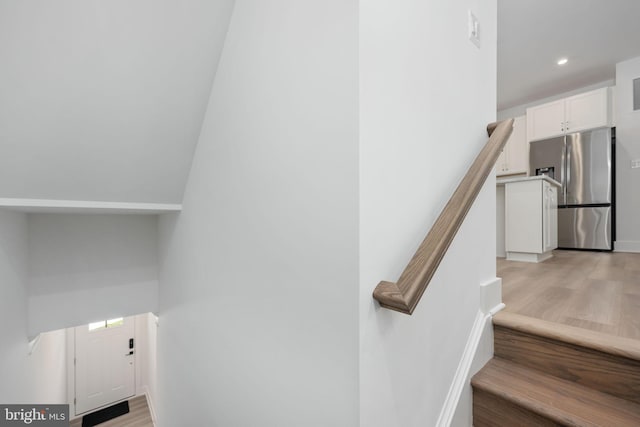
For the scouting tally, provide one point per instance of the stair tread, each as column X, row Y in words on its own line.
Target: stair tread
column 562, row 401
column 604, row 371
column 617, row 346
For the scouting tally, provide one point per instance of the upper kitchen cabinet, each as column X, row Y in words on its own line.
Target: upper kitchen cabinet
column 545, row 120
column 587, row 110
column 514, row 159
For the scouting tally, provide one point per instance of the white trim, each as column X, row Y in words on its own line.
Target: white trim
column 71, row 373
column 154, row 418
column 528, row 257
column 496, row 309
column 491, row 296
column 86, row 206
column 33, row 343
column 462, row 375
column 627, row 246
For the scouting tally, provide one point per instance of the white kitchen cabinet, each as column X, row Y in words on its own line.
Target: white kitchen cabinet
column 500, row 251
column 514, row 158
column 584, row 111
column 546, row 120
column 588, row 110
column 531, row 218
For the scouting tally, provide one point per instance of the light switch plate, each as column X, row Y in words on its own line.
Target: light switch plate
column 474, row 29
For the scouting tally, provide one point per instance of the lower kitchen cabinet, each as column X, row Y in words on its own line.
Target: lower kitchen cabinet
column 531, row 218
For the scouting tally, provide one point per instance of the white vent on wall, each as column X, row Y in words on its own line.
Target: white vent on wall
column 636, row 94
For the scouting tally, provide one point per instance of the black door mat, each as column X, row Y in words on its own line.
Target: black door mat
column 105, row 414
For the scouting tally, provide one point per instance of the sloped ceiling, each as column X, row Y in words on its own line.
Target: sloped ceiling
column 103, row 100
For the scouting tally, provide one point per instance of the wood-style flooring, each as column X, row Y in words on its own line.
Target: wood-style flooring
column 599, row 291
column 138, row 416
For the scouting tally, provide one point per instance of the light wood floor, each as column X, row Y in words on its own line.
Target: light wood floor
column 599, row 291
column 138, row 416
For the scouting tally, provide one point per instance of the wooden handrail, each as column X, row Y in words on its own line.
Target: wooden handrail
column 404, row 295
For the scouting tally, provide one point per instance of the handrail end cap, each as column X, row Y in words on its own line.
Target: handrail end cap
column 391, row 297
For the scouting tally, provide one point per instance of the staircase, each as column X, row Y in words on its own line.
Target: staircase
column 547, row 374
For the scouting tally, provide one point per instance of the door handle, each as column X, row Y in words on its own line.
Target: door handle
column 568, row 172
column 130, row 353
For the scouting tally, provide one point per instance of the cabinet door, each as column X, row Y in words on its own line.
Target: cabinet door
column 524, row 217
column 501, row 163
column 588, row 110
column 518, row 159
column 553, row 214
column 549, row 217
column 546, row 120
column 514, row 158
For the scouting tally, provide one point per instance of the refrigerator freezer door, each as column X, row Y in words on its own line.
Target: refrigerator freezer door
column 547, row 157
column 584, row 228
column 588, row 168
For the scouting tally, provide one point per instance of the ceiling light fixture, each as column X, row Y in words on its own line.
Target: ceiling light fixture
column 562, row 61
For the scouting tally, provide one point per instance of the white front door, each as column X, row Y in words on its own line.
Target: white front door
column 105, row 363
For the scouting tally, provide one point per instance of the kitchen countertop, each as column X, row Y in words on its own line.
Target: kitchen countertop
column 503, row 181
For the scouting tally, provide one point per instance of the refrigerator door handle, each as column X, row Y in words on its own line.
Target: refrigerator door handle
column 567, row 182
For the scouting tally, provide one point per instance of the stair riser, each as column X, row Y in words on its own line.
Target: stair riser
column 490, row 410
column 611, row 374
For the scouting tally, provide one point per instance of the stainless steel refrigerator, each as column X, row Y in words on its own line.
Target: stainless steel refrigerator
column 584, row 164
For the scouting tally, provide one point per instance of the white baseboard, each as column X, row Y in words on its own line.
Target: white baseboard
column 627, row 246
column 490, row 303
column 528, row 257
column 145, row 391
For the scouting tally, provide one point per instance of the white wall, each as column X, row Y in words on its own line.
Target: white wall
column 13, row 308
column 38, row 377
column 84, row 268
column 47, row 366
column 151, row 380
column 146, row 357
column 103, row 100
column 258, row 287
column 463, row 416
column 426, row 96
column 627, row 149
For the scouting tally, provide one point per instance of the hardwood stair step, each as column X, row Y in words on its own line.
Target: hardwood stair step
column 606, row 343
column 508, row 394
column 603, row 362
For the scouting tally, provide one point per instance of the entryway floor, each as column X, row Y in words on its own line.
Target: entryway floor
column 599, row 291
column 138, row 416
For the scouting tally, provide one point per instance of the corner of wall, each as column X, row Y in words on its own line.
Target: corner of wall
column 457, row 410
column 14, row 349
column 627, row 150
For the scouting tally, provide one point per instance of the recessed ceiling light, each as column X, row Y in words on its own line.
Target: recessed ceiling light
column 562, row 61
